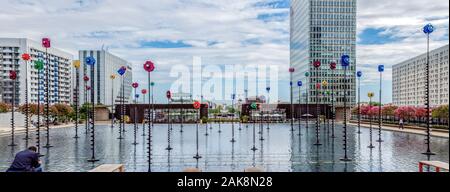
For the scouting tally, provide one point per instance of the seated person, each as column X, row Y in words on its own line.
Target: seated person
column 26, row 161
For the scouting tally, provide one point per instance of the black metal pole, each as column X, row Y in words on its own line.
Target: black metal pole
column 359, row 105
column 427, row 98
column 345, row 117
column 370, row 120
column 307, row 103
column 47, row 104
column 232, row 123
column 292, row 103
column 379, row 110
column 112, row 102
column 13, row 104
column 317, row 109
column 168, row 125
column 197, row 156
column 76, row 97
column 143, row 122
column 27, row 104
column 38, row 125
column 333, row 110
column 254, row 132
column 86, row 126
column 149, row 129
column 135, row 118
column 121, row 109
column 299, row 110
column 123, row 105
column 182, row 114
column 92, row 121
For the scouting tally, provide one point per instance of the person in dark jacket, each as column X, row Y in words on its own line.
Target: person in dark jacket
column 26, row 161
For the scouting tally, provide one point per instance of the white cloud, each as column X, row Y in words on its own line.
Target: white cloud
column 122, row 25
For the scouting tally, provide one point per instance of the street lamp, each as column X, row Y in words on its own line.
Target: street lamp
column 370, row 95
column 299, row 84
column 333, row 66
column 381, row 70
column 428, row 29
column 136, row 96
column 316, row 65
column 91, row 62
column 77, row 65
column 291, row 71
column 359, row 75
column 345, row 63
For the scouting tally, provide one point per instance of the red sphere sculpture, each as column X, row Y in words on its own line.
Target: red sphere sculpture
column 26, row 57
column 86, row 78
column 12, row 75
column 317, row 64
column 291, row 70
column 333, row 65
column 149, row 66
column 135, row 85
column 196, row 105
column 144, row 91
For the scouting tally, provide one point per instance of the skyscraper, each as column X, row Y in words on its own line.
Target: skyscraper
column 60, row 71
column 323, row 30
column 106, row 65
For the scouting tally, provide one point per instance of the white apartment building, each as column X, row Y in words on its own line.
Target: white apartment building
column 408, row 81
column 60, row 64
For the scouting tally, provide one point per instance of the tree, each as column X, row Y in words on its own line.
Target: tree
column 63, row 112
column 420, row 113
column 4, row 107
column 405, row 112
column 389, row 110
column 440, row 112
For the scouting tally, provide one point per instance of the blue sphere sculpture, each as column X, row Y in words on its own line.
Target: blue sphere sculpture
column 137, row 96
column 90, row 60
column 233, row 96
column 428, row 29
column 268, row 89
column 121, row 71
column 299, row 83
column 345, row 60
column 359, row 73
column 380, row 68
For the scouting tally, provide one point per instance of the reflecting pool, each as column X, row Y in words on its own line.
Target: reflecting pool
column 280, row 151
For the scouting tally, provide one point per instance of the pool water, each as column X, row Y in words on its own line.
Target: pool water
column 280, row 151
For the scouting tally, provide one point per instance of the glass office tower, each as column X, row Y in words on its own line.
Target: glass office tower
column 323, row 30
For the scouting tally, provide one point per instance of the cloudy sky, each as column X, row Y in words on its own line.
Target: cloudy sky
column 222, row 32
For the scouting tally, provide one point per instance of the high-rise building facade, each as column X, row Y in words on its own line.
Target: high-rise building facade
column 60, row 64
column 106, row 90
column 408, row 79
column 323, row 30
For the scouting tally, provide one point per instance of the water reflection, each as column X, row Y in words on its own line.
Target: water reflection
column 281, row 150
